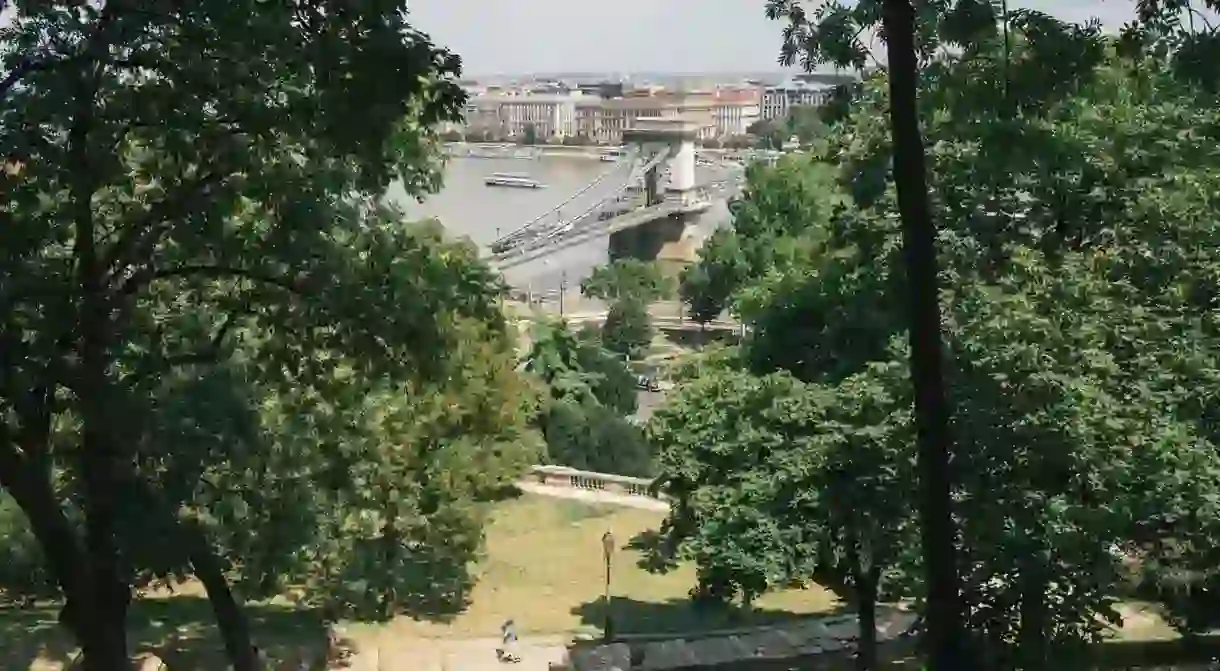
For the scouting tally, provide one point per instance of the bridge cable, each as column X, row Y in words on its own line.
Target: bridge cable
column 549, row 233
column 574, row 196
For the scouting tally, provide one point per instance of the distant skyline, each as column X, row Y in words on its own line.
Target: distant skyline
column 671, row 36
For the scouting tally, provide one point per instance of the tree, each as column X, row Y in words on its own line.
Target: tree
column 596, row 438
column 579, row 370
column 1032, row 257
column 768, row 133
column 777, row 483
column 627, row 280
column 169, row 191
column 778, row 220
column 628, row 329
column 805, row 122
column 591, row 391
column 529, row 135
column 699, row 291
column 945, row 634
column 738, row 142
column 23, row 574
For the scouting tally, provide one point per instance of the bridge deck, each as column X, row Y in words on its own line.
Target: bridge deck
column 582, row 235
column 604, row 228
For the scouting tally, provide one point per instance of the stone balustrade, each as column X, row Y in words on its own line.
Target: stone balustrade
column 563, row 476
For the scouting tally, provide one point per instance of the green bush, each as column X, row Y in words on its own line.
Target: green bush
column 628, row 329
column 23, row 575
column 594, row 438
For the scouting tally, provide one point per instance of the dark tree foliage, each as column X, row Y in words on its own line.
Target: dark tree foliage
column 628, row 329
column 189, row 193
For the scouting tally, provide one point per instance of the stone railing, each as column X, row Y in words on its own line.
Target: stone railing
column 562, row 476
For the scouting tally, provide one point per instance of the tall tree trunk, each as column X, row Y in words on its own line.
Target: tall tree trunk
column 230, row 618
column 944, row 634
column 1032, row 649
column 56, row 538
column 26, row 477
column 99, row 463
column 866, row 596
column 112, row 593
column 865, row 581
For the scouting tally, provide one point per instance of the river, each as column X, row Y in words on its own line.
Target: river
column 468, row 208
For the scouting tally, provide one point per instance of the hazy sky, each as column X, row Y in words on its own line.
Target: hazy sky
column 523, row 36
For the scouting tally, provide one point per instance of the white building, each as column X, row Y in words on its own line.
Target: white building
column 777, row 100
column 735, row 110
column 552, row 116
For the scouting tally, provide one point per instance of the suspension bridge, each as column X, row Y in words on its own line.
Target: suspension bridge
column 637, row 200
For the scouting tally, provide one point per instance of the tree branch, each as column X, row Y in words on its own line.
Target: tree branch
column 141, row 279
column 142, row 236
column 30, row 66
column 211, row 352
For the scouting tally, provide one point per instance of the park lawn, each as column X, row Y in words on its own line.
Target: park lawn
column 544, row 569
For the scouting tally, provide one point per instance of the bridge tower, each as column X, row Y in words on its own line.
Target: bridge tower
column 669, row 240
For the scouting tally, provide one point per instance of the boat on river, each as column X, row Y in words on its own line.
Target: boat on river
column 513, row 179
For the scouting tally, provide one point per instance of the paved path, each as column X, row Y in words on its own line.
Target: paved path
column 541, row 652
column 593, row 496
column 537, row 654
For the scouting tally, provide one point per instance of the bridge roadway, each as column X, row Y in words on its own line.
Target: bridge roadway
column 578, row 234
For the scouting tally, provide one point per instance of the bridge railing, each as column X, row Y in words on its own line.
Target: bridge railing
column 563, row 476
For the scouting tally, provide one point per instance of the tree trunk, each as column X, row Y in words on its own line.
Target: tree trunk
column 944, row 635
column 27, row 478
column 112, row 592
column 866, row 596
column 99, row 463
column 1032, row 649
column 56, row 539
column 230, row 618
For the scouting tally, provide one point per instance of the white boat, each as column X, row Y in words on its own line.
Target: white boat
column 513, row 179
column 612, row 154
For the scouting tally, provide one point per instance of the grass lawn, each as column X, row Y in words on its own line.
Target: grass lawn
column 543, row 568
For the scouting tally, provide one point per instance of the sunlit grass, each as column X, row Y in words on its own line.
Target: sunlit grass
column 543, row 568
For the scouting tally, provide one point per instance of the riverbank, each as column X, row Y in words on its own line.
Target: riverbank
column 503, row 150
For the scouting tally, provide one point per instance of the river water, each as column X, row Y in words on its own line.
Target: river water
column 468, row 208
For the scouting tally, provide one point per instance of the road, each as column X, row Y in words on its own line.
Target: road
column 479, row 654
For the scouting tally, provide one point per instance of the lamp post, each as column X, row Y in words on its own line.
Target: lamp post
column 563, row 289
column 607, row 553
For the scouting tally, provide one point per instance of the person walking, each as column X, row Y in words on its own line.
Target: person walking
column 508, row 642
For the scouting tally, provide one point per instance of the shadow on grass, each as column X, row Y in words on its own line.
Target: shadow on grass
column 655, row 550
column 180, row 630
column 696, row 339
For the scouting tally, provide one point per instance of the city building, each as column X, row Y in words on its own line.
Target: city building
column 777, row 100
column 813, row 88
column 509, row 115
column 602, row 89
column 735, row 109
column 617, row 114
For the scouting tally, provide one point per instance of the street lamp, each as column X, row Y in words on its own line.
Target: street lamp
column 607, row 553
column 563, row 289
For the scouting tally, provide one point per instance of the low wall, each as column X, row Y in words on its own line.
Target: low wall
column 562, row 476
